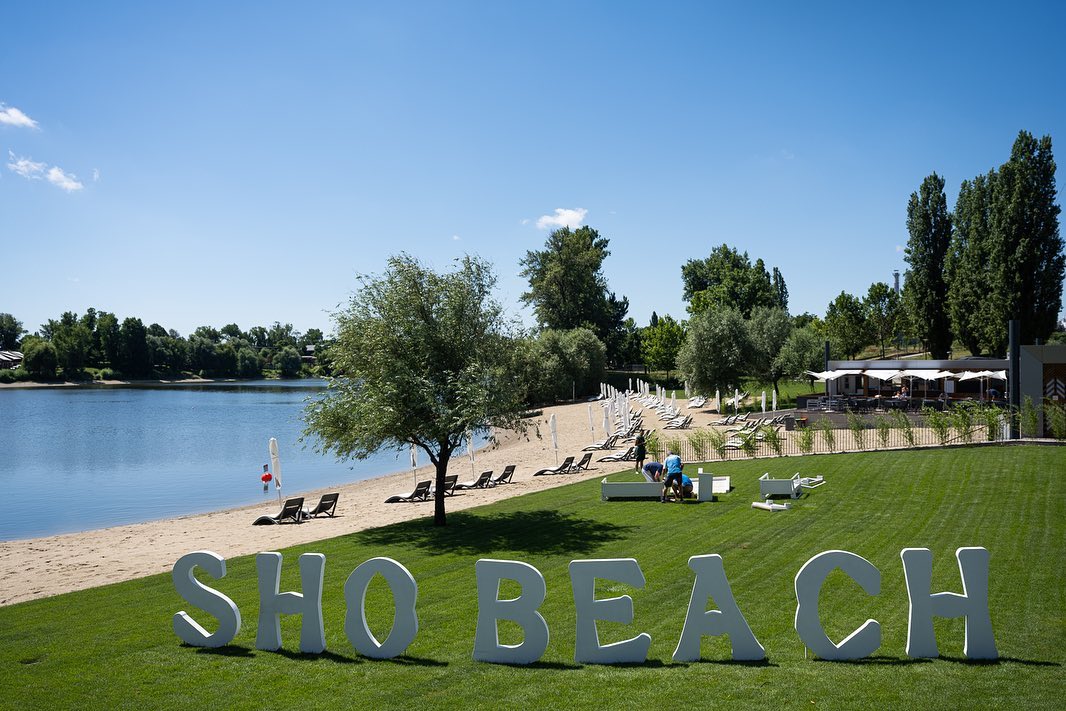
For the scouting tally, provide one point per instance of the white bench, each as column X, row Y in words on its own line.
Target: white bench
column 779, row 487
column 704, row 486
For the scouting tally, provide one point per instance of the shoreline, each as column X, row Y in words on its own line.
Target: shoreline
column 194, row 380
column 33, row 568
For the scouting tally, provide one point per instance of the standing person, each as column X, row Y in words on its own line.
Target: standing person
column 673, row 466
column 642, row 451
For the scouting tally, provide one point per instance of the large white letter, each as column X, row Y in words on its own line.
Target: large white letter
column 728, row 619
column 207, row 599
column 404, row 619
column 860, row 643
column 583, row 574
column 274, row 604
column 972, row 604
column 521, row 610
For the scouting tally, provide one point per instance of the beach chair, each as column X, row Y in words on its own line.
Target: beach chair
column 628, row 456
column 449, row 485
column 604, row 444
column 480, row 483
column 582, row 464
column 326, row 506
column 561, row 469
column 421, row 493
column 505, row 477
column 292, row 510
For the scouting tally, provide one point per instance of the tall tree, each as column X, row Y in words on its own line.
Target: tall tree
column 768, row 330
column 929, row 225
column 882, row 311
column 72, row 340
column 968, row 267
column 660, row 344
column 846, row 326
column 780, row 291
column 715, row 352
column 133, row 355
column 567, row 288
column 727, row 278
column 802, row 351
column 11, row 332
column 1025, row 239
column 421, row 359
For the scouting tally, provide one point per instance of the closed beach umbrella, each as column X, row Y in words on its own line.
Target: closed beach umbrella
column 414, row 463
column 555, row 436
column 775, row 401
column 736, row 400
column 592, row 428
column 673, row 401
column 717, row 399
column 470, row 450
column 606, row 422
column 764, row 402
column 275, row 464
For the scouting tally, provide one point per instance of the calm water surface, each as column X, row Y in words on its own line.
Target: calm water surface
column 75, row 459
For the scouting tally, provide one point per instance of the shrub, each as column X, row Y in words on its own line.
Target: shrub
column 1055, row 418
column 990, row 417
column 772, row 437
column 806, row 439
column 903, row 423
column 963, row 417
column 884, row 430
column 939, row 422
column 857, row 425
column 1028, row 419
column 828, row 434
column 7, row 376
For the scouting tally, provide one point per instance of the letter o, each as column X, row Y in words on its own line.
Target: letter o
column 404, row 620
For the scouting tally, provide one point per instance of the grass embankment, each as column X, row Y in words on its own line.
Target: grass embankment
column 113, row 646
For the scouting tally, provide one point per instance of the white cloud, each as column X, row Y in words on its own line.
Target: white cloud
column 96, row 175
column 456, row 238
column 31, row 170
column 63, row 180
column 899, row 248
column 10, row 116
column 563, row 217
column 525, row 221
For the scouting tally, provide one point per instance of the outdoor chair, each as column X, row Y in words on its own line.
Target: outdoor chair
column 583, row 463
column 326, row 506
column 561, row 469
column 420, row 493
column 603, row 444
column 292, row 510
column 628, row 456
column 480, row 483
column 505, row 477
column 449, row 484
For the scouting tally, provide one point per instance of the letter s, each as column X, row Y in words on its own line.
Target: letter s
column 207, row 599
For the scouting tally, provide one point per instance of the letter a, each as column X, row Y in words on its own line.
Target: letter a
column 521, row 610
column 971, row 604
column 712, row 583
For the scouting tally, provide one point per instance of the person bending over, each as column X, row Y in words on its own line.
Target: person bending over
column 653, row 471
column 673, row 467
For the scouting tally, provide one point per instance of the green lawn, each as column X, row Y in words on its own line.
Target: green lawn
column 113, row 646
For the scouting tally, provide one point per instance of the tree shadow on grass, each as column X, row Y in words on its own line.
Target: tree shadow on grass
column 538, row 532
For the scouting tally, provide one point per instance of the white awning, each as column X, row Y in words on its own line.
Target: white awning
column 832, row 374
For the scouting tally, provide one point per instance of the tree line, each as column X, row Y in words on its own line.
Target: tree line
column 76, row 347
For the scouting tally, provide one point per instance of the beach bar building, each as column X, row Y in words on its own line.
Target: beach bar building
column 10, row 359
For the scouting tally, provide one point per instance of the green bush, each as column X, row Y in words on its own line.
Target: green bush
column 857, row 425
column 963, row 418
column 1028, row 419
column 772, row 437
column 7, row 376
column 903, row 423
column 884, row 429
column 806, row 439
column 939, row 422
column 1055, row 417
column 990, row 417
column 825, row 425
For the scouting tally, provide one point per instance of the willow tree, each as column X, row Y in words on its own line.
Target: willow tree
column 421, row 359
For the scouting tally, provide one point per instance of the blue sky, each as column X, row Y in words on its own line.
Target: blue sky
column 208, row 163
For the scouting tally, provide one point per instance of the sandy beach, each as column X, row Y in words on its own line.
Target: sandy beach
column 41, row 567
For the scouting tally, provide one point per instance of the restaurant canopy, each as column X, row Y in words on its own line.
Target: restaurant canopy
column 831, row 374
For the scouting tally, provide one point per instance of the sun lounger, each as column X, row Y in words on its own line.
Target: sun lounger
column 505, row 477
column 561, row 469
column 449, row 485
column 583, row 463
column 628, row 456
column 421, row 493
column 603, row 444
column 292, row 510
column 480, row 483
column 326, row 506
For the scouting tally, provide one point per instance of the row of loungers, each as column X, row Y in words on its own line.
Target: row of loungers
column 293, row 510
column 424, row 490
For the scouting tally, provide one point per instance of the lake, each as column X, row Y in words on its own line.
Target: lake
column 76, row 459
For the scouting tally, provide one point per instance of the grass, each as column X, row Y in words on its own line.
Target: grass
column 113, row 647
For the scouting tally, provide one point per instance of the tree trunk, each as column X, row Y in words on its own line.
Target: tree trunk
column 438, row 496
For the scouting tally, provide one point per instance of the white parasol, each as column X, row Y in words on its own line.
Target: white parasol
column 555, row 436
column 592, row 428
column 275, row 464
column 606, row 422
column 718, row 400
column 764, row 402
column 470, row 450
column 736, row 400
column 414, row 463
column 775, row 401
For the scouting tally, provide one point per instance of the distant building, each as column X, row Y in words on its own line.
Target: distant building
column 309, row 354
column 10, row 359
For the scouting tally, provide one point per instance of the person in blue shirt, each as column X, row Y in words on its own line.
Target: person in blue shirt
column 686, row 487
column 673, row 467
column 653, row 471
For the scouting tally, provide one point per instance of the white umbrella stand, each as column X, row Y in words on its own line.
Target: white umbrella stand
column 555, row 436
